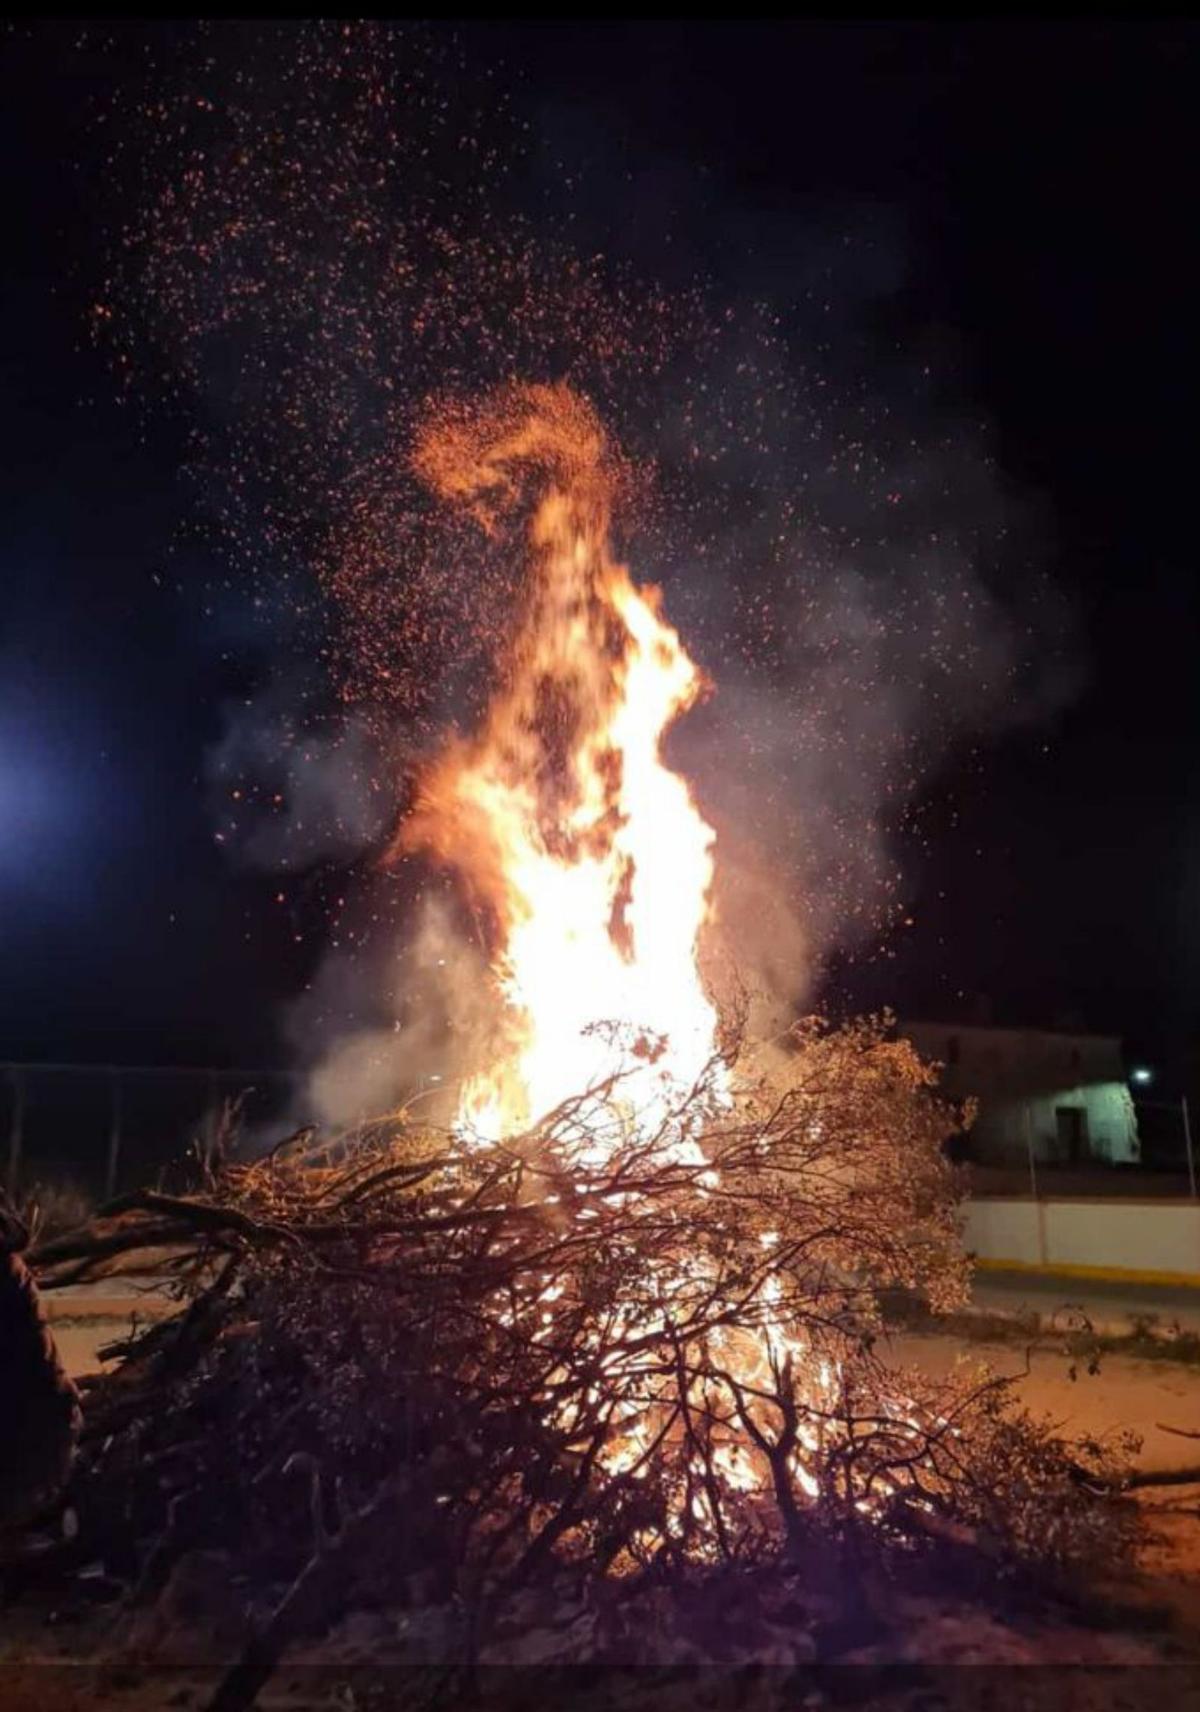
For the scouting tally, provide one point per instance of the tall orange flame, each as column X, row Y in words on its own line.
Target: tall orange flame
column 561, row 813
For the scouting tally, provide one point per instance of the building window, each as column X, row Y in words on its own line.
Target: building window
column 952, row 1049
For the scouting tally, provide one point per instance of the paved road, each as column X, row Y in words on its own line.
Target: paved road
column 1113, row 1308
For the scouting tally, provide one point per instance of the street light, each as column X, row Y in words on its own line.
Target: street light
column 1141, row 1075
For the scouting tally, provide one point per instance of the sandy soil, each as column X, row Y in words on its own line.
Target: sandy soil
column 1127, row 1393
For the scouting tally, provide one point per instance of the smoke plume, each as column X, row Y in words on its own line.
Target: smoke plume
column 323, row 245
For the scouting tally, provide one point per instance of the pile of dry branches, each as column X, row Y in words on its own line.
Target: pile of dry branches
column 588, row 1353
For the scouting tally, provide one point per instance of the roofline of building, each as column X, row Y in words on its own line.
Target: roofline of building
column 1006, row 1028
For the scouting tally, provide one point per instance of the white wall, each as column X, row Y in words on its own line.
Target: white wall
column 1117, row 1236
column 1004, row 1230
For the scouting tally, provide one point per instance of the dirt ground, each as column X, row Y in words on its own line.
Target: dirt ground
column 1144, row 1395
column 1128, row 1393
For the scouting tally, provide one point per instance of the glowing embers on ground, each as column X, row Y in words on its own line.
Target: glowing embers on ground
column 561, row 815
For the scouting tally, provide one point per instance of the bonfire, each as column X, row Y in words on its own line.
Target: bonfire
column 611, row 1332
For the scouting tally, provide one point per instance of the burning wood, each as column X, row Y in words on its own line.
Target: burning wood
column 572, row 1358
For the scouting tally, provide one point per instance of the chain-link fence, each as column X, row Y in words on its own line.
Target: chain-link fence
column 89, row 1131
column 85, row 1132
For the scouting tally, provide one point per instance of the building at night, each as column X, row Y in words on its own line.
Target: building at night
column 1061, row 1095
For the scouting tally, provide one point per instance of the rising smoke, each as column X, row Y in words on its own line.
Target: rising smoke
column 434, row 997
column 321, row 247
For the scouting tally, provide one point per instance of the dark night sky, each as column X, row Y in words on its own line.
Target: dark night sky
column 1045, row 175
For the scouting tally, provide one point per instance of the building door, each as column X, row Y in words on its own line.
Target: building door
column 1072, row 1133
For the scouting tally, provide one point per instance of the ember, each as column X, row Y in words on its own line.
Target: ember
column 617, row 1322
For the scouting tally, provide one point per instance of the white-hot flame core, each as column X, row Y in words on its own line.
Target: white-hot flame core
column 565, row 816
